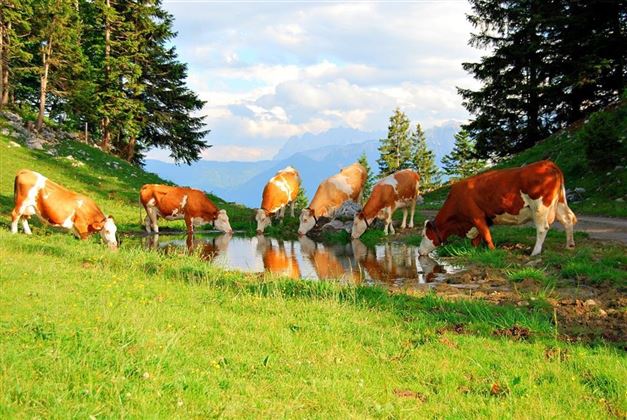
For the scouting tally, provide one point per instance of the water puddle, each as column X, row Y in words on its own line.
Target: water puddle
column 393, row 264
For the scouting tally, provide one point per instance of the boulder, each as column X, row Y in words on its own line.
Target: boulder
column 337, row 225
column 348, row 210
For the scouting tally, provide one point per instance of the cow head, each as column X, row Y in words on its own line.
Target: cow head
column 360, row 224
column 263, row 220
column 307, row 221
column 108, row 232
column 222, row 222
column 430, row 238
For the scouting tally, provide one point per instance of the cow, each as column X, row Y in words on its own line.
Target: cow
column 34, row 194
column 508, row 196
column 278, row 193
column 175, row 203
column 331, row 194
column 399, row 190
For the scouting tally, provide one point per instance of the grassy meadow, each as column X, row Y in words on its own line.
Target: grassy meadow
column 85, row 332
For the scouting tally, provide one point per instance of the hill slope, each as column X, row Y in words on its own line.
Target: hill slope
column 113, row 183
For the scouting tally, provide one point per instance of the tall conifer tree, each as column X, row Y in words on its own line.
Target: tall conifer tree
column 395, row 149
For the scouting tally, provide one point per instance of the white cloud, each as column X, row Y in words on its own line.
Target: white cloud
column 269, row 71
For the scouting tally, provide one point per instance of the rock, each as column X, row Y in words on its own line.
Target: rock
column 13, row 144
column 619, row 167
column 337, row 225
column 620, row 200
column 348, row 210
column 6, row 132
column 14, row 118
column 590, row 302
column 602, row 313
column 580, row 190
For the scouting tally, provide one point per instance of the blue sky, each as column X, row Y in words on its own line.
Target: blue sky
column 272, row 70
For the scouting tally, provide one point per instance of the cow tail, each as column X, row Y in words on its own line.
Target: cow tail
column 140, row 209
column 15, row 190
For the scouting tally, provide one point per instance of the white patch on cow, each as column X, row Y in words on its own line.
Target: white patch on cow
column 342, row 184
column 472, row 233
column 283, row 185
column 184, row 202
column 197, row 221
column 68, row 223
column 390, row 180
column 174, row 212
column 151, row 202
column 79, row 204
column 29, row 205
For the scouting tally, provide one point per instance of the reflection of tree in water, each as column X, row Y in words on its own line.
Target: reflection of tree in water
column 276, row 259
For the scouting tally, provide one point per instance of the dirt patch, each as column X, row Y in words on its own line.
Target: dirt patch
column 407, row 393
column 515, row 332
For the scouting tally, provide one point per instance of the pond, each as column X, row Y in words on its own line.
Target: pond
column 392, row 264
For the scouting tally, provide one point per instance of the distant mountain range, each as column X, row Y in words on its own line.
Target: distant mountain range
column 315, row 156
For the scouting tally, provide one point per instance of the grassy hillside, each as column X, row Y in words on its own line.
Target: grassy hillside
column 111, row 182
column 567, row 149
column 88, row 332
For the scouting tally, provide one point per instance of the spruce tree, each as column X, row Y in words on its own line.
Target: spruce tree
column 301, row 199
column 423, row 160
column 395, row 149
column 365, row 192
column 462, row 162
column 56, row 42
column 15, row 59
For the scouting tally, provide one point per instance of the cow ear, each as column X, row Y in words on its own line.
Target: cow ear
column 111, row 217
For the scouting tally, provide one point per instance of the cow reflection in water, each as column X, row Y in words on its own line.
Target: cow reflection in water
column 331, row 262
column 401, row 268
column 276, row 259
column 206, row 248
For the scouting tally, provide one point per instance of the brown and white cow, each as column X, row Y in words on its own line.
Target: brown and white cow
column 279, row 192
column 509, row 196
column 34, row 194
column 331, row 194
column 175, row 203
column 399, row 190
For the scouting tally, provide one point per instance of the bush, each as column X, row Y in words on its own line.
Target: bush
column 603, row 139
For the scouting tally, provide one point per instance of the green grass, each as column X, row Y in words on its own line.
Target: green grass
column 133, row 333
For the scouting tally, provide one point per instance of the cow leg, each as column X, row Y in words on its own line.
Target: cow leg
column 540, row 219
column 152, row 213
column 388, row 221
column 25, row 226
column 292, row 207
column 567, row 218
column 15, row 218
column 283, row 212
column 404, row 224
column 189, row 222
column 147, row 223
column 484, row 233
column 413, row 210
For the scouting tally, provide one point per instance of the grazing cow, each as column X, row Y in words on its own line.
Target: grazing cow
column 276, row 259
column 174, row 203
column 509, row 196
column 34, row 194
column 331, row 194
column 278, row 193
column 394, row 191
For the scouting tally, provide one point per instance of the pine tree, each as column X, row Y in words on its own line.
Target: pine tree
column 395, row 149
column 550, row 63
column 301, row 199
column 423, row 161
column 462, row 162
column 365, row 192
column 15, row 17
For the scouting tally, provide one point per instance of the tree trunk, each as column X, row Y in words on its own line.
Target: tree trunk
column 106, row 134
column 1, row 58
column 4, row 99
column 130, row 149
column 44, row 85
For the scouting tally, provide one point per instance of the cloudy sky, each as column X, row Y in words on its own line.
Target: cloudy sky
column 275, row 69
